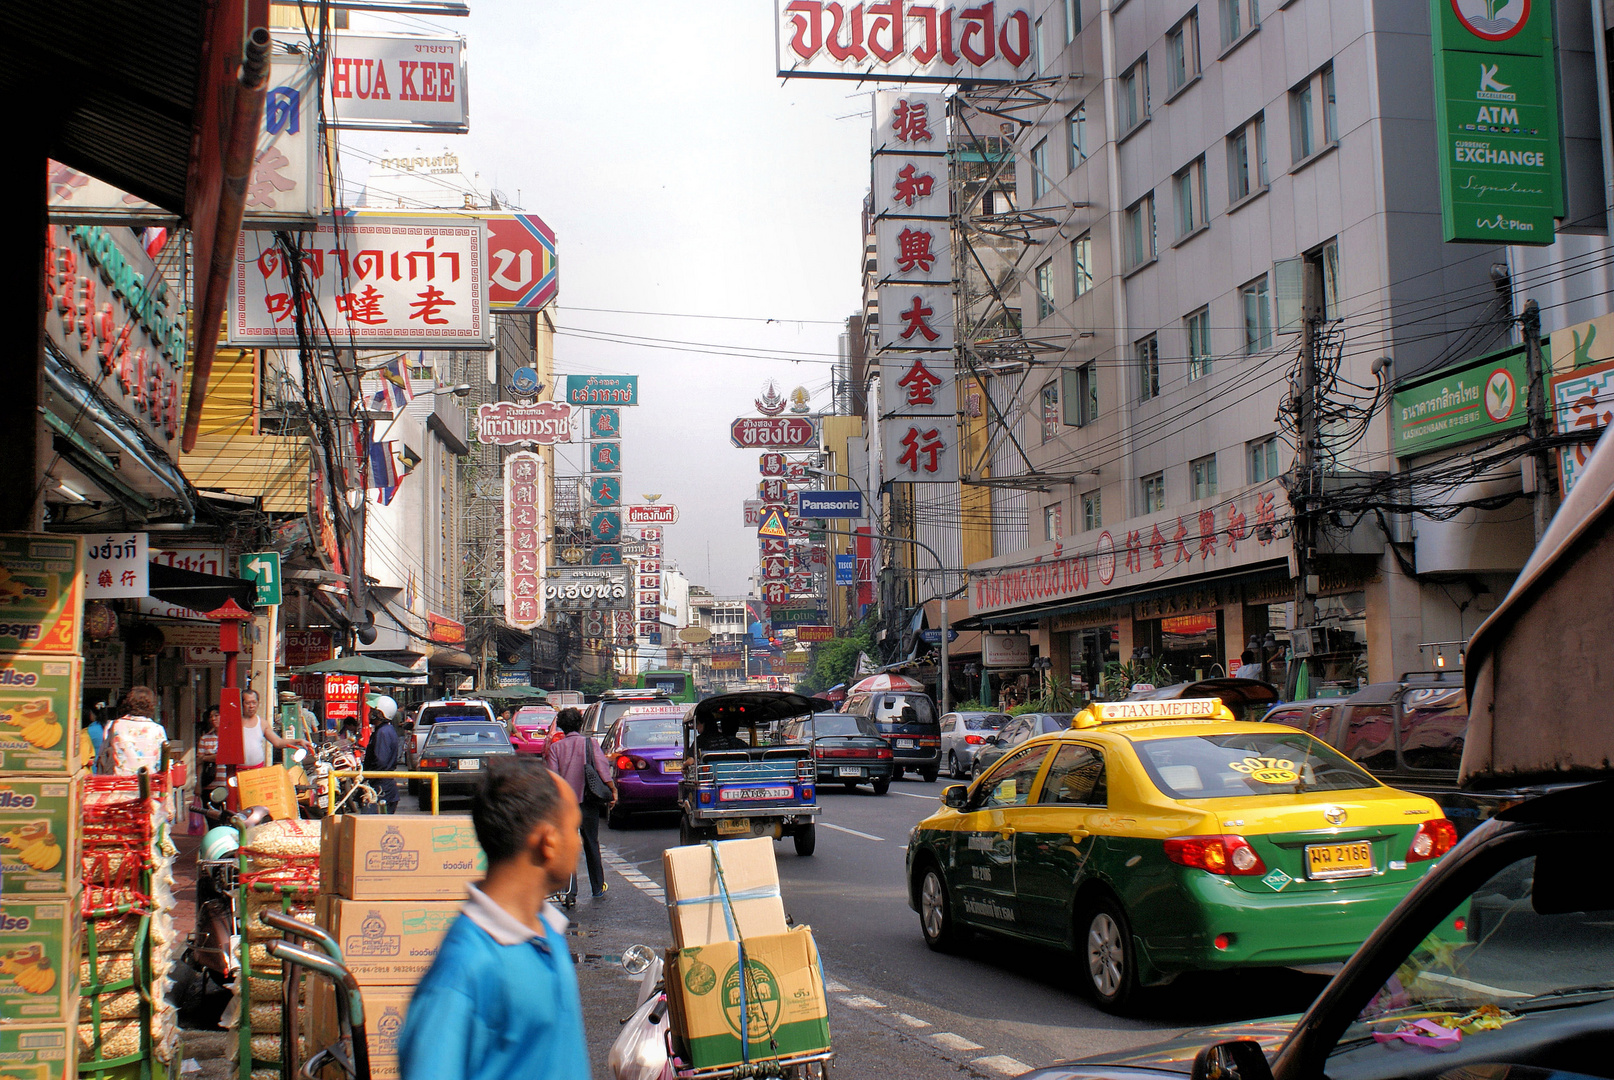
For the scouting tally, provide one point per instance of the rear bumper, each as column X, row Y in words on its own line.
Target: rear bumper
column 647, row 791
column 831, row 774
column 925, row 757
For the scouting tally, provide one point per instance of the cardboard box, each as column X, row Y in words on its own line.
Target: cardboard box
column 386, row 942
column 41, row 593
column 384, row 1010
column 39, row 1051
column 695, row 905
column 271, row 788
column 40, row 836
column 396, row 857
column 39, row 962
column 39, row 715
column 785, row 1009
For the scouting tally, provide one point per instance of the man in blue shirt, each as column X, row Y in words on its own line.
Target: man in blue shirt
column 501, row 998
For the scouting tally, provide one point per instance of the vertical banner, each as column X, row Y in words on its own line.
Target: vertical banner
column 524, row 528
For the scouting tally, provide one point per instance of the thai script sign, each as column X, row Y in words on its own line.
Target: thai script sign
column 115, row 565
column 444, row 630
column 384, row 83
column 198, row 560
column 653, row 514
column 893, row 41
column 1583, row 401
column 524, row 530
column 523, row 268
column 774, row 431
column 341, row 697
column 602, row 389
column 108, row 310
column 505, row 423
column 305, row 647
column 589, row 589
column 392, row 282
column 1474, row 401
column 815, row 633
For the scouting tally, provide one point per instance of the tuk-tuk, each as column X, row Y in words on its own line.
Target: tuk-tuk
column 736, row 782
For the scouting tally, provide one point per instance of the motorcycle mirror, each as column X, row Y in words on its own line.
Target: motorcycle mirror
column 253, row 816
column 218, row 794
column 636, row 959
column 299, row 755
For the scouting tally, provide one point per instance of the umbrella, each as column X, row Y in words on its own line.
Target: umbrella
column 356, row 665
column 876, row 684
column 835, row 693
column 511, row 693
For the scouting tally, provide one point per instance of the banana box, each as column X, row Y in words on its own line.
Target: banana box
column 41, row 593
column 40, row 837
column 39, row 710
column 39, row 1051
column 39, row 967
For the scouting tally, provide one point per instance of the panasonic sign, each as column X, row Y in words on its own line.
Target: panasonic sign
column 830, row 504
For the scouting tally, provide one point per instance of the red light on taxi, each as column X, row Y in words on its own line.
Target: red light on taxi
column 1432, row 840
column 1222, row 941
column 1228, row 855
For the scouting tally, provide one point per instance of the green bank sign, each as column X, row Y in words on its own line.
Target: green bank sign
column 1496, row 119
column 1460, row 404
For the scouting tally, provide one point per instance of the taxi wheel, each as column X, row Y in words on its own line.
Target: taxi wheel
column 1106, row 954
column 936, row 912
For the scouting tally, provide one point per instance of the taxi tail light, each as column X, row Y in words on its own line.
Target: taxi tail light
column 1432, row 840
column 1229, row 855
column 624, row 763
column 973, row 740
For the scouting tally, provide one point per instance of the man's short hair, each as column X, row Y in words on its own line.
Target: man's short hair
column 351, row 724
column 1247, row 657
column 249, row 691
column 569, row 720
column 514, row 795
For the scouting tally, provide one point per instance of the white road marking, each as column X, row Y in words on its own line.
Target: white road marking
column 954, row 1042
column 835, row 987
column 1002, row 1064
column 859, row 1001
column 912, row 1021
column 911, row 795
column 631, row 874
column 854, row 832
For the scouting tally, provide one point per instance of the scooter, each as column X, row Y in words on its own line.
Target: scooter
column 640, row 1051
column 210, row 949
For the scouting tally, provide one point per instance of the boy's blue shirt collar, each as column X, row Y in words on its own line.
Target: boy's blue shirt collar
column 506, row 929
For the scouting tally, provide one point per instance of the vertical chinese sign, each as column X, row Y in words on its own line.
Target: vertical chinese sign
column 524, row 528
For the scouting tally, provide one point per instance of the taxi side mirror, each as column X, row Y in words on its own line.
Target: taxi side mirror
column 1235, row 1059
column 956, row 796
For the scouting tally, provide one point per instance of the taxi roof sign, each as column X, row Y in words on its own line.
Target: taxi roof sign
column 1111, row 712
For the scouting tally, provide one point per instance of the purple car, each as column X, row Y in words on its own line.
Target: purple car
column 646, row 751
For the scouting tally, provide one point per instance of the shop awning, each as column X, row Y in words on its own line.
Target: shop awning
column 1025, row 616
column 199, row 592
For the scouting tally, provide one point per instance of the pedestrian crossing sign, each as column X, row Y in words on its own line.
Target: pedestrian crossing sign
column 773, row 524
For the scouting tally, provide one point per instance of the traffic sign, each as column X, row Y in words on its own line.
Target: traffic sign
column 262, row 568
column 773, row 524
column 934, row 637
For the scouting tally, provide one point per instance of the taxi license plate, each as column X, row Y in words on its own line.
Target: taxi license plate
column 848, row 771
column 750, row 794
column 730, row 826
column 672, row 766
column 1327, row 861
column 470, row 763
column 904, row 744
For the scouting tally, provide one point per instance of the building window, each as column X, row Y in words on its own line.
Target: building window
column 1081, row 259
column 1140, row 239
column 1135, row 94
column 1045, row 289
column 1092, row 511
column 1313, row 115
column 1081, row 395
column 1239, row 17
column 1182, row 52
column 1199, row 354
column 1039, row 169
column 1192, row 196
column 1257, row 317
column 1325, row 84
column 1247, row 158
column 1050, row 411
column 1148, row 354
column 1036, row 47
column 1202, row 477
column 1302, row 136
column 1073, row 19
column 1263, row 456
column 1052, row 521
column 1076, row 127
column 1154, row 492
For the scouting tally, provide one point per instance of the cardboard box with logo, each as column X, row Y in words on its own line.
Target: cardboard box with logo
column 41, row 594
column 39, row 708
column 39, row 961
column 780, row 1009
column 392, row 857
column 384, row 1010
column 386, row 942
column 39, row 1051
column 694, row 896
column 40, row 834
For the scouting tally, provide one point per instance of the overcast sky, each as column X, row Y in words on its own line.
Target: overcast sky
column 681, row 176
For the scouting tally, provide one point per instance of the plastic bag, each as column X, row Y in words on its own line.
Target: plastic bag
column 640, row 1052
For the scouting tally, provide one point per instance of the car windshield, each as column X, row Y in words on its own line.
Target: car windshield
column 1249, row 763
column 444, row 713
column 466, row 735
column 610, row 712
column 1537, row 935
column 987, row 722
column 834, row 724
column 642, row 734
column 530, row 717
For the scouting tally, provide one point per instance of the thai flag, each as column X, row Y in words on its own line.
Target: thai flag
column 153, row 240
column 395, row 392
column 383, row 472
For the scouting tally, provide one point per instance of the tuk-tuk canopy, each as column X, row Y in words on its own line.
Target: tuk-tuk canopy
column 1249, row 699
column 751, row 707
column 1540, row 671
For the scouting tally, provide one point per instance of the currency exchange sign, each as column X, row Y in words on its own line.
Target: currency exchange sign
column 1496, row 120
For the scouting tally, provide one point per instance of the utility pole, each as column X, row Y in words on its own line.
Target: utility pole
column 1536, row 410
column 1303, row 494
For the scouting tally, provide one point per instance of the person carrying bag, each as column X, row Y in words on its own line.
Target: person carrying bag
column 579, row 760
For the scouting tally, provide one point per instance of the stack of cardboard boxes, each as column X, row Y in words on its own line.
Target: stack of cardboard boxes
column 390, row 888
column 41, row 787
column 779, row 1010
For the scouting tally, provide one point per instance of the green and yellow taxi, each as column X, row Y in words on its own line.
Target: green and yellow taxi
column 1158, row 837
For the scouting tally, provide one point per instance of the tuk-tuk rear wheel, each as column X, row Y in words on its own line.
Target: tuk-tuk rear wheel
column 806, row 838
column 686, row 835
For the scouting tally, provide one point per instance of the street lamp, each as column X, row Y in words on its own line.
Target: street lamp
column 461, row 390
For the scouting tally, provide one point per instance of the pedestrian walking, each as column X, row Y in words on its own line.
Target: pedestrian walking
column 578, row 760
column 501, row 998
column 381, row 755
column 133, row 741
column 207, row 748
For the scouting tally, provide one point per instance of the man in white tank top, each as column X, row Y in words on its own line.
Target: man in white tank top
column 255, row 734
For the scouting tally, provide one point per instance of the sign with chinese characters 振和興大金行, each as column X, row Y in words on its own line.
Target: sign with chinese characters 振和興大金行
column 524, row 528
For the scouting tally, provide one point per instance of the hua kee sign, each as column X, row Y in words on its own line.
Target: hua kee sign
column 384, row 83
column 893, row 41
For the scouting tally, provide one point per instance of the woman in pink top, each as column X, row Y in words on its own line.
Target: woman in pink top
column 133, row 741
column 566, row 756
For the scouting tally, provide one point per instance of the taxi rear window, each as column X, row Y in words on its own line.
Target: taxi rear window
column 1224, row 766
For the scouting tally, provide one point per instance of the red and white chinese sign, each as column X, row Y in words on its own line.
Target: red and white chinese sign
column 895, row 41
column 523, row 540
column 115, row 565
column 390, row 282
column 1220, row 535
column 916, row 317
column 382, row 83
column 653, row 514
column 920, row 448
column 523, row 267
column 1583, row 402
column 918, row 384
column 507, row 423
column 779, row 431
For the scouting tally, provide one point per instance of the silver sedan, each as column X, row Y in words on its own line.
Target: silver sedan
column 962, row 736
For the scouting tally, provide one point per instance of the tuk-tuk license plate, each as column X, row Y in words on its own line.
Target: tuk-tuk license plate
column 751, row 794
column 845, row 770
column 470, row 763
column 1327, row 861
column 731, row 826
column 904, row 744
